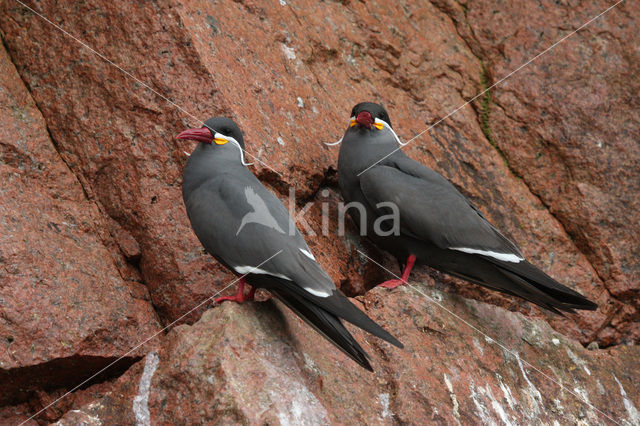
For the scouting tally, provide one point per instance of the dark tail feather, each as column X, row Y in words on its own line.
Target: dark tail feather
column 505, row 282
column 338, row 305
column 531, row 293
column 325, row 323
column 548, row 291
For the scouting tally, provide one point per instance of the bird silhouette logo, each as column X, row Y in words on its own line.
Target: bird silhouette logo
column 260, row 213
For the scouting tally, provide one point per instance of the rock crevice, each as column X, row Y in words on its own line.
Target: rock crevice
column 96, row 250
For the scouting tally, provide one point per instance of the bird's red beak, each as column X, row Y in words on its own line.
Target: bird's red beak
column 201, row 135
column 365, row 119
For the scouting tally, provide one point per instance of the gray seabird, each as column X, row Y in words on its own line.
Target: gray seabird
column 438, row 226
column 242, row 224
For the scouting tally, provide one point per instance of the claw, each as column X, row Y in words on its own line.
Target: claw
column 239, row 297
column 391, row 284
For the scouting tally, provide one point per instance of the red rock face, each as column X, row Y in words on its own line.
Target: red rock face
column 258, row 364
column 568, row 126
column 96, row 247
column 65, row 310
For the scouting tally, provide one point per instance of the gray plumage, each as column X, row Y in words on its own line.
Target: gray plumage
column 438, row 224
column 242, row 224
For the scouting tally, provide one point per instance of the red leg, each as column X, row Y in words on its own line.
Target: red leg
column 239, row 297
column 411, row 260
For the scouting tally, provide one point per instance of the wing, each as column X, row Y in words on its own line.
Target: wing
column 216, row 209
column 432, row 209
column 336, row 304
column 327, row 324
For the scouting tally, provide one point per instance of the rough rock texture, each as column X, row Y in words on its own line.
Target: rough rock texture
column 273, row 371
column 65, row 311
column 95, row 238
column 570, row 129
column 117, row 139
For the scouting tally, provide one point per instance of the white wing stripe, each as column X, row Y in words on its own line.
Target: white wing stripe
column 253, row 270
column 319, row 293
column 506, row 257
column 307, row 253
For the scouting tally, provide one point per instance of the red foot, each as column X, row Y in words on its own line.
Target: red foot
column 239, row 297
column 391, row 284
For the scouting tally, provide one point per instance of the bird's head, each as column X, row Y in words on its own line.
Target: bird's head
column 369, row 115
column 220, row 132
column 369, row 119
